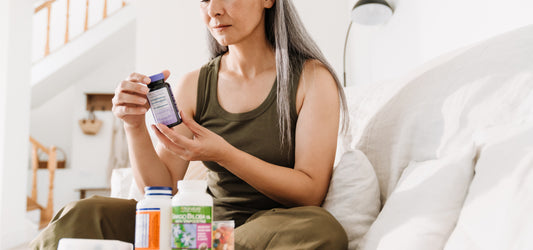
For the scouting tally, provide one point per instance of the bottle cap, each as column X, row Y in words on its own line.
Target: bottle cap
column 157, row 77
column 158, row 191
column 192, row 185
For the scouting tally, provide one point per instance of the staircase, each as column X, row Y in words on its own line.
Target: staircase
column 84, row 41
column 68, row 59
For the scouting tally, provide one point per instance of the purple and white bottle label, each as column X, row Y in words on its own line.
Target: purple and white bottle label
column 161, row 106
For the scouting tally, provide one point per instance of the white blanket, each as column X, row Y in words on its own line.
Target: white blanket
column 481, row 95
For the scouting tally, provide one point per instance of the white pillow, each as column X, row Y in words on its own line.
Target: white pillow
column 353, row 195
column 121, row 181
column 421, row 212
column 497, row 213
column 410, row 125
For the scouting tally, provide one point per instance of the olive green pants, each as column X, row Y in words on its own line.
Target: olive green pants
column 110, row 218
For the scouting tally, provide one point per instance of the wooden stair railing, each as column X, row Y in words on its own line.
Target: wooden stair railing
column 46, row 211
column 47, row 4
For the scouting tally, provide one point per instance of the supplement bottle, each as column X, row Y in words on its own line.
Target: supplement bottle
column 162, row 101
column 153, row 219
column 192, row 215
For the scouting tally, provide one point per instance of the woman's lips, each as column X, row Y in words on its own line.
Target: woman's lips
column 221, row 27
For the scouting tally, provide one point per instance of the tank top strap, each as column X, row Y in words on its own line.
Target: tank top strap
column 208, row 73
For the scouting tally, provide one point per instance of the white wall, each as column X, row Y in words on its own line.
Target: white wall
column 420, row 30
column 171, row 34
column 15, row 37
column 327, row 22
column 56, row 123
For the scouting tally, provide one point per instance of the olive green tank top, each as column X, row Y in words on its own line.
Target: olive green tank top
column 255, row 132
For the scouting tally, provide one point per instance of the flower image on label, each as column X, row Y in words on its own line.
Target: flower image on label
column 191, row 227
column 162, row 106
column 147, row 228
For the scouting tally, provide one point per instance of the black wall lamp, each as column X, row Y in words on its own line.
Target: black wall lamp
column 366, row 12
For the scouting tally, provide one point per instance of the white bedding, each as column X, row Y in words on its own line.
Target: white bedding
column 481, row 95
column 440, row 106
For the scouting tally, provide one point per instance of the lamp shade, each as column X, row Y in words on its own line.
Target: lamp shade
column 371, row 12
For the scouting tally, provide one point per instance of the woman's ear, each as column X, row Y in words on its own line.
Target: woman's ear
column 268, row 3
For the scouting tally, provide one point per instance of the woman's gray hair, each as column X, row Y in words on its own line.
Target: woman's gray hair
column 293, row 46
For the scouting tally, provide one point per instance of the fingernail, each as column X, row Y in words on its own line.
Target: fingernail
column 146, row 80
column 145, row 89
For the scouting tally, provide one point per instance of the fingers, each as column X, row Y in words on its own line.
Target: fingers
column 191, row 123
column 124, row 110
column 140, row 78
column 126, row 103
column 167, row 143
column 166, row 73
column 174, row 137
column 127, row 86
column 171, row 141
column 125, row 98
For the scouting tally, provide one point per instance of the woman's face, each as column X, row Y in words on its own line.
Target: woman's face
column 232, row 21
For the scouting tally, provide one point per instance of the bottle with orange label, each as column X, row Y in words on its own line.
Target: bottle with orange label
column 153, row 218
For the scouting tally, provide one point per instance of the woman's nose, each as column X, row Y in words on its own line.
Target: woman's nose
column 215, row 8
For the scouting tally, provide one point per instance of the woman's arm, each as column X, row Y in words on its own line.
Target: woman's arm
column 151, row 167
column 316, row 138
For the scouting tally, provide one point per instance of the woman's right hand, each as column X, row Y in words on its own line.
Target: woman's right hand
column 130, row 103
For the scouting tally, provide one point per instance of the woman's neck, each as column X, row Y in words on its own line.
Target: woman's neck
column 250, row 58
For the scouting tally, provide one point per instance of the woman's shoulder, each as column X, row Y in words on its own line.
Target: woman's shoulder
column 313, row 72
column 315, row 67
column 185, row 91
column 315, row 80
column 189, row 81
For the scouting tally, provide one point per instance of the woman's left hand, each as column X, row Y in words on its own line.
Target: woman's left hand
column 204, row 146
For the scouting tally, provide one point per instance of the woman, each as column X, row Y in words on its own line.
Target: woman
column 263, row 116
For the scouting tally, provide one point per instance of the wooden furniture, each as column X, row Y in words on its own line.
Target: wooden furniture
column 46, row 211
column 99, row 101
column 83, row 191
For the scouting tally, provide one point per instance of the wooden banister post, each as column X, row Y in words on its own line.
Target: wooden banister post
column 86, row 15
column 105, row 10
column 48, row 212
column 67, row 21
column 35, row 163
column 47, row 46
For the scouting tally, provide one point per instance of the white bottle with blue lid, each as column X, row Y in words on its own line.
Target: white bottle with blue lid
column 153, row 219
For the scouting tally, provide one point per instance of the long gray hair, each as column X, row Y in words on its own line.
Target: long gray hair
column 293, row 46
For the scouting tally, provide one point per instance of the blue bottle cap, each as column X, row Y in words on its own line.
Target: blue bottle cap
column 157, row 188
column 157, row 77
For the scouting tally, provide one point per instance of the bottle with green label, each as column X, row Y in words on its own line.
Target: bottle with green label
column 192, row 216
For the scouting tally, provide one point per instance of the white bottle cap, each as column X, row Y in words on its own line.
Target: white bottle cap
column 192, row 185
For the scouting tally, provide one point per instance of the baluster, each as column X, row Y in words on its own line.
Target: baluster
column 105, row 10
column 34, row 166
column 47, row 46
column 68, row 18
column 86, row 16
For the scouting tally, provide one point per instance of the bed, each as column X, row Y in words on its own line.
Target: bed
column 441, row 158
